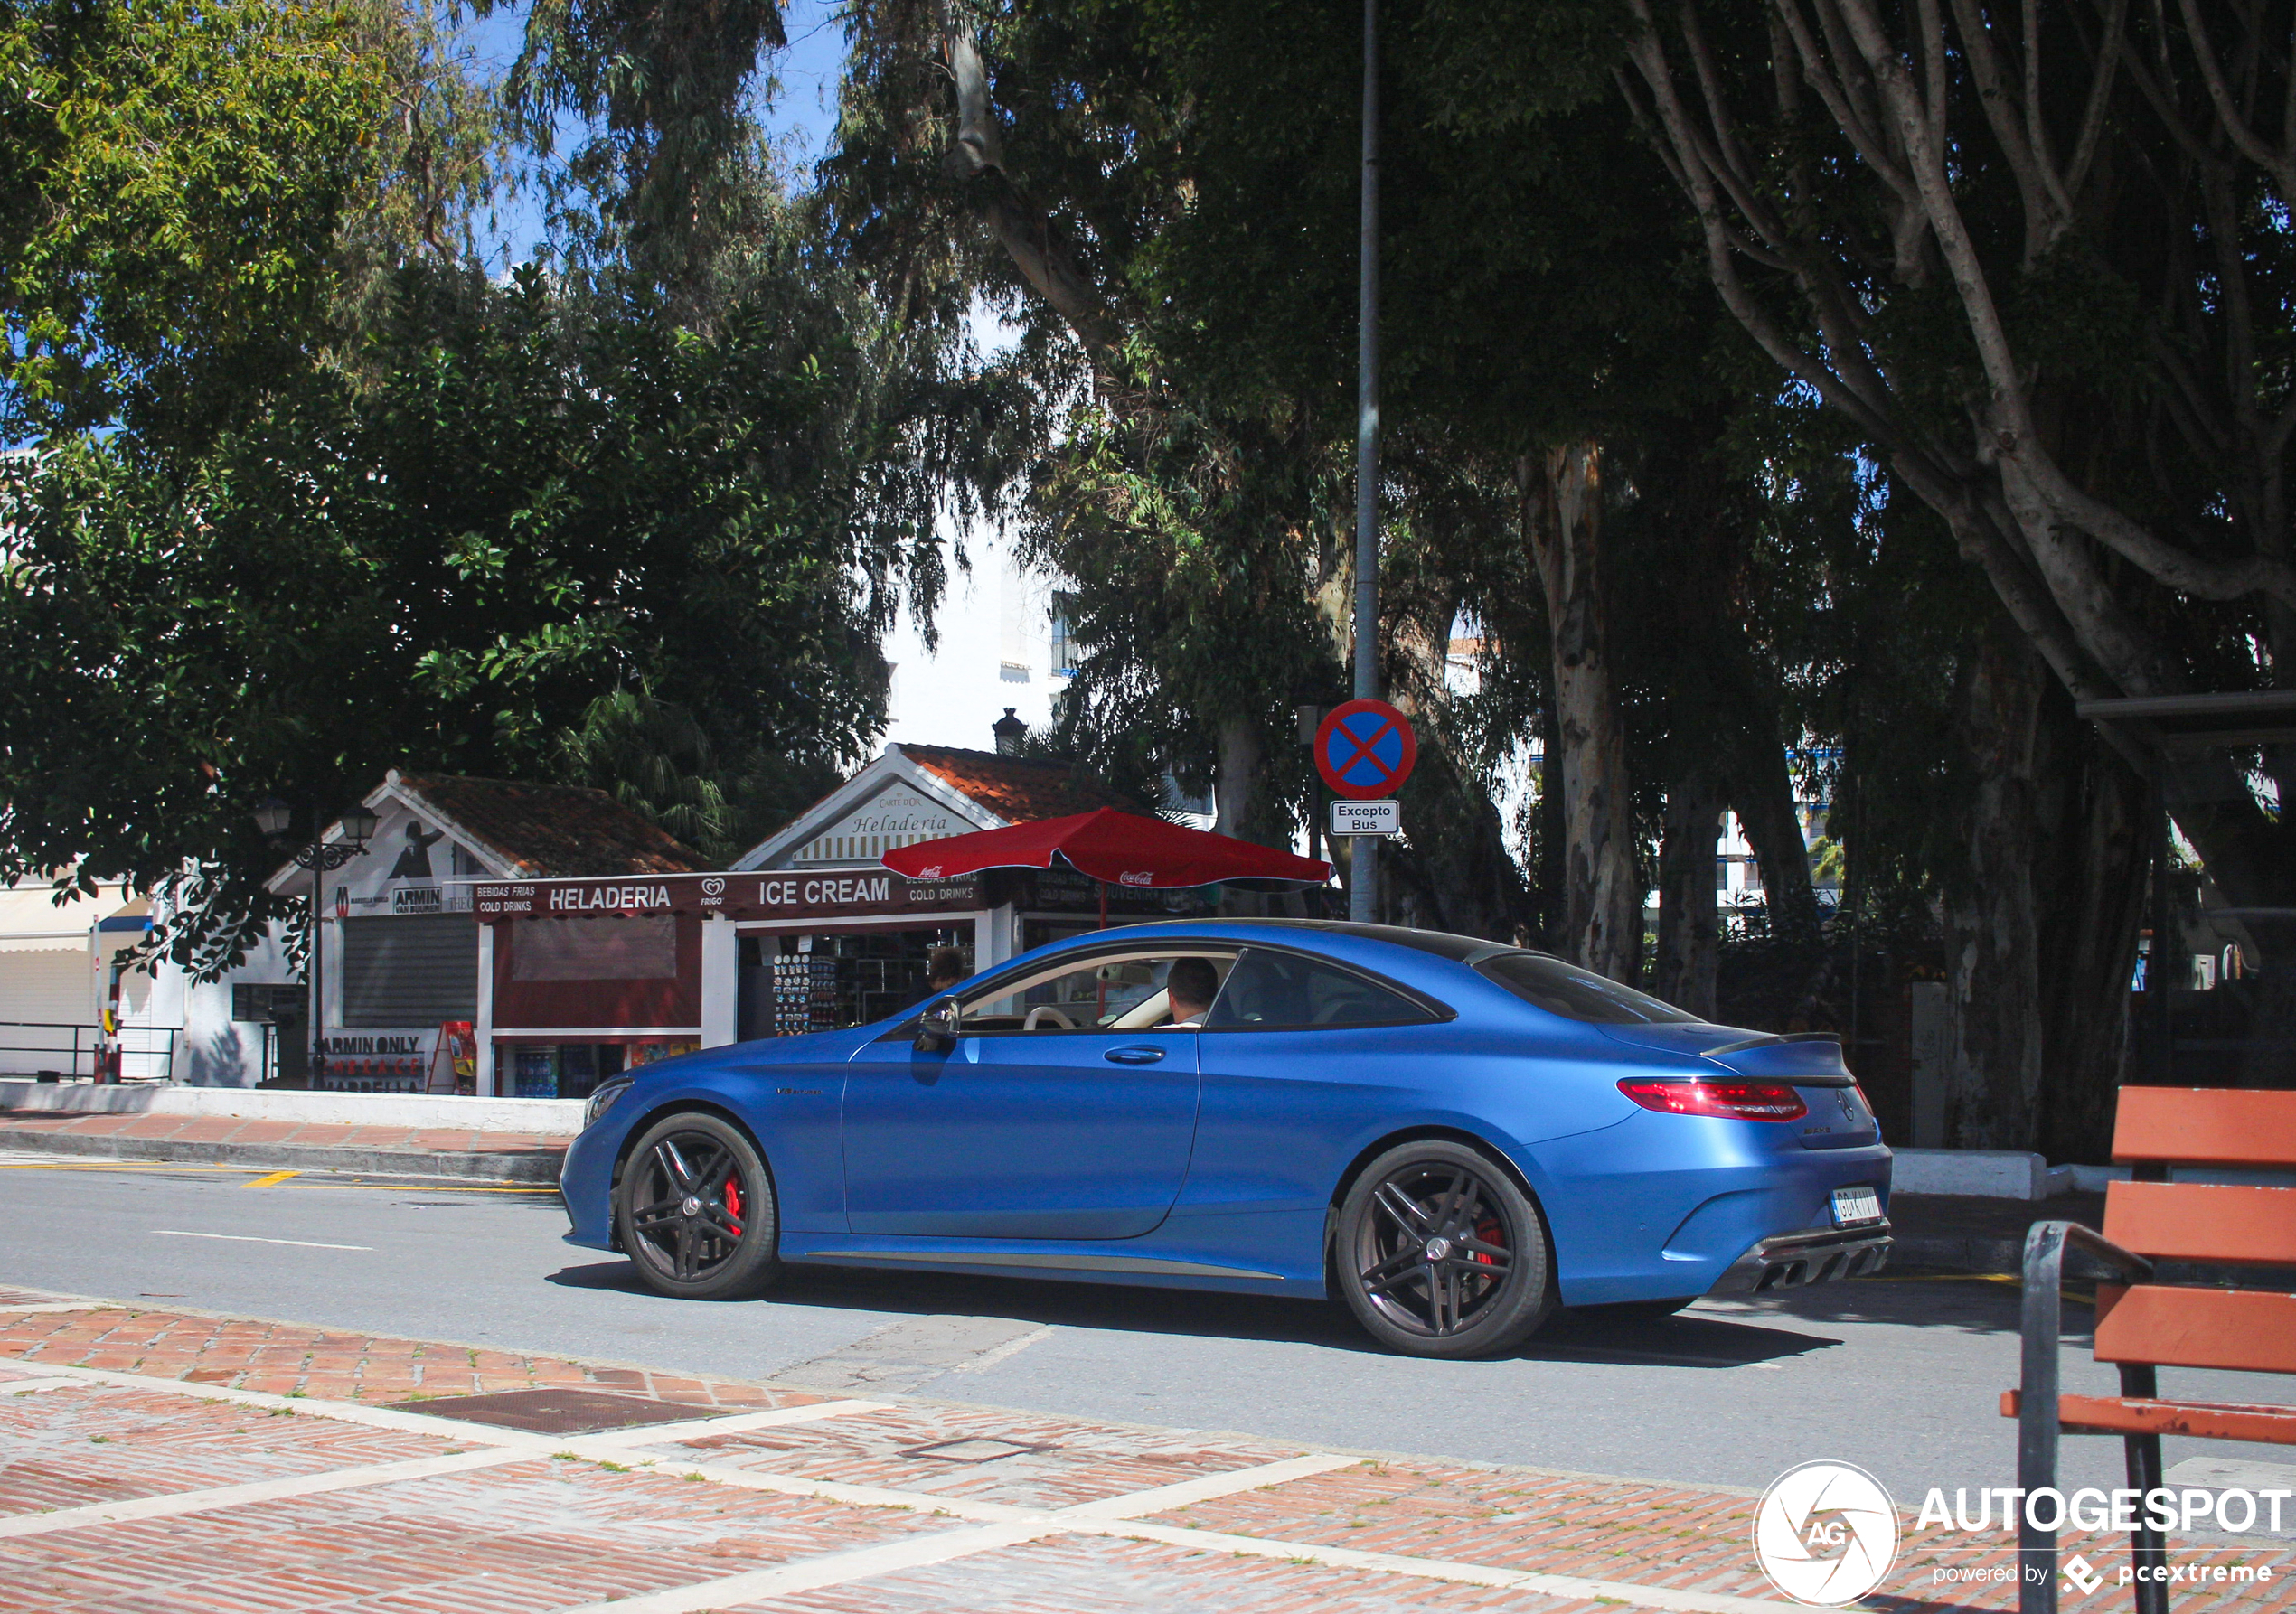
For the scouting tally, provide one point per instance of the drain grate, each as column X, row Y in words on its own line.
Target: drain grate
column 971, row 1449
column 557, row 1412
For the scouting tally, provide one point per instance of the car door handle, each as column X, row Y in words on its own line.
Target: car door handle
column 1135, row 1053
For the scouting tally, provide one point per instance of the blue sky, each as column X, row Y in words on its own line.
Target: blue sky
column 800, row 114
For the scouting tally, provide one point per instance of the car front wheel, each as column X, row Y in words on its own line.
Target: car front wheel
column 696, row 1210
column 1439, row 1253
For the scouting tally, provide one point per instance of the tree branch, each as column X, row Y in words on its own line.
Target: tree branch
column 2278, row 164
column 1022, row 229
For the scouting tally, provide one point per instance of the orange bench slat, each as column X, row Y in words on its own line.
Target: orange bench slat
column 2206, row 1126
column 2237, row 1330
column 2207, row 1420
column 2203, row 1222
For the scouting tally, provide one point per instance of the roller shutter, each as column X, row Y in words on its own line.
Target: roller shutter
column 410, row 971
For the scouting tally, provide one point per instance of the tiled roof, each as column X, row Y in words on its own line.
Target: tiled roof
column 553, row 830
column 1017, row 790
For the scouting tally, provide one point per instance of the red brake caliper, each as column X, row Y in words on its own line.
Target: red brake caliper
column 1487, row 1231
column 733, row 1203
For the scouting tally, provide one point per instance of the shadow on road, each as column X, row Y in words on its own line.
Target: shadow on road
column 1964, row 1302
column 1693, row 1341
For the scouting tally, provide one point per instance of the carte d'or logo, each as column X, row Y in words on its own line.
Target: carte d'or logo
column 1825, row 1533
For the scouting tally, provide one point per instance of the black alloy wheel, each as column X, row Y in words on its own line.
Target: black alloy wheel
column 1439, row 1254
column 696, row 1210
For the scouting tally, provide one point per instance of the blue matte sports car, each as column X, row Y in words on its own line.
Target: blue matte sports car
column 1456, row 1136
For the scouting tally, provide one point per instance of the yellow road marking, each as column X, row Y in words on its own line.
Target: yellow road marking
column 271, row 1181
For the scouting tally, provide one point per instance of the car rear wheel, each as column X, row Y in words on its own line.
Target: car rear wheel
column 696, row 1210
column 1439, row 1254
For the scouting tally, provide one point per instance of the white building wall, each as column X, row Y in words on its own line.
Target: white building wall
column 212, row 1049
column 995, row 651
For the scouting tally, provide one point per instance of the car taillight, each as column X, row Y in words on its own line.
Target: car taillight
column 1733, row 1100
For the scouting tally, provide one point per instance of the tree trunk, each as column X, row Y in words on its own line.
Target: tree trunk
column 1454, row 870
column 1763, row 801
column 1992, row 943
column 1690, row 927
column 1602, row 895
column 1239, row 760
column 2095, row 820
column 1547, row 835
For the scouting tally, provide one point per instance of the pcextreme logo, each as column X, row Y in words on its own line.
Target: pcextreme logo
column 1826, row 1534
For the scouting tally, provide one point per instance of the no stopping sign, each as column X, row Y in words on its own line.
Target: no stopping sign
column 1365, row 749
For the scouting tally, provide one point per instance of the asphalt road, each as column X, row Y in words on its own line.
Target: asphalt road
column 1899, row 1374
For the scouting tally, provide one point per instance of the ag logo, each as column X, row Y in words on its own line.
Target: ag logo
column 1825, row 1533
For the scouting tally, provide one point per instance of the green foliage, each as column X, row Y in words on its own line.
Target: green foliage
column 659, row 86
column 176, row 173
column 550, row 535
column 1187, row 539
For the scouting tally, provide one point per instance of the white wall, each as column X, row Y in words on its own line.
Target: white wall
column 994, row 651
column 213, row 1050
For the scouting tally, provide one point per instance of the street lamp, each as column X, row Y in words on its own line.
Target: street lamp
column 272, row 817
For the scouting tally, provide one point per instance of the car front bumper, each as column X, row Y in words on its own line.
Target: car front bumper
column 1815, row 1255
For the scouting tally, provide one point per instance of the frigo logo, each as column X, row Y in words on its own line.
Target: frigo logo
column 1826, row 1534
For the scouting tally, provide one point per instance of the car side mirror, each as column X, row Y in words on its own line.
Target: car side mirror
column 936, row 1027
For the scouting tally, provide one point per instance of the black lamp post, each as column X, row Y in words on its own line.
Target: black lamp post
column 321, row 855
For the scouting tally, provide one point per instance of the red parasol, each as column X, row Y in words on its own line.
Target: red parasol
column 1116, row 849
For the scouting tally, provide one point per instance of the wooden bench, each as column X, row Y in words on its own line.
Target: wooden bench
column 2144, row 1325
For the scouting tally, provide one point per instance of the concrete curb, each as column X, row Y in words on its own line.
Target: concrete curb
column 545, row 1116
column 468, row 1164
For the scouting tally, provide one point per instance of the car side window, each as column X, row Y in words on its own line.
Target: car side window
column 1269, row 989
column 1576, row 994
column 1120, row 993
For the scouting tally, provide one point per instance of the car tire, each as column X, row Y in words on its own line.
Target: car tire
column 1438, row 1252
column 695, row 1210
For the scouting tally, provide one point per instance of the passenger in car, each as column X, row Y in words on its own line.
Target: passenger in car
column 1191, row 987
column 944, row 968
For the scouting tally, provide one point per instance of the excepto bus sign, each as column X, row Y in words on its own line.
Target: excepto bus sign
column 1367, row 818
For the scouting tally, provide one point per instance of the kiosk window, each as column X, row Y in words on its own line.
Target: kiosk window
column 1269, row 989
column 596, row 947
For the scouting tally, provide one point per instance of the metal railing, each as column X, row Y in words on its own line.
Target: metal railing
column 69, row 1053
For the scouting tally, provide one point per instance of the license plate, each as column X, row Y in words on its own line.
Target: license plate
column 1852, row 1205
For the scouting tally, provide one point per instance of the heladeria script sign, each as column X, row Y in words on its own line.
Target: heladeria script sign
column 773, row 894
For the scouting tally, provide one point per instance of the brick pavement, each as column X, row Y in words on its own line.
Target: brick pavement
column 218, row 1463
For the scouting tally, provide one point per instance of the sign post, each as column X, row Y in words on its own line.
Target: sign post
column 1364, row 750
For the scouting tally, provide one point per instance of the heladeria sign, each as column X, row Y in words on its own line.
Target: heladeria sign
column 776, row 892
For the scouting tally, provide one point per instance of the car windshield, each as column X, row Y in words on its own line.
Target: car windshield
column 1574, row 993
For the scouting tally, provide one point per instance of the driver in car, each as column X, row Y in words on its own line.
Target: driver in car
column 1190, row 989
